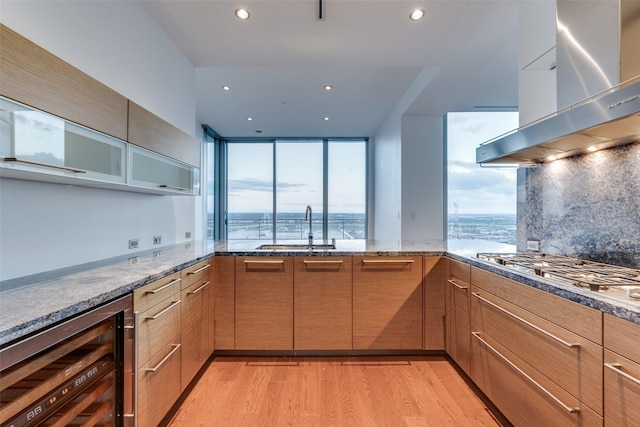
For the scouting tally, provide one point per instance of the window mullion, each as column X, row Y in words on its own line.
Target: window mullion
column 325, row 189
column 275, row 193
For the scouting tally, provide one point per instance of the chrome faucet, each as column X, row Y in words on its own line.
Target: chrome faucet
column 307, row 217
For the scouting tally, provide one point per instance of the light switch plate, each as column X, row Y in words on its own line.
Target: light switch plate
column 533, row 245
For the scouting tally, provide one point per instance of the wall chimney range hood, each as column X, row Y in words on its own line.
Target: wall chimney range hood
column 603, row 121
column 597, row 78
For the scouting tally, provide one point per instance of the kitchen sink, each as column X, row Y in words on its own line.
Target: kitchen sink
column 297, row 247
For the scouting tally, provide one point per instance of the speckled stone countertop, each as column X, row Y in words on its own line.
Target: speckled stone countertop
column 30, row 303
column 465, row 251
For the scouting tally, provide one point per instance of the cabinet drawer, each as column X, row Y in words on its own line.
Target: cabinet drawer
column 621, row 390
column 196, row 324
column 558, row 310
column 459, row 270
column 158, row 385
column 157, row 327
column 545, row 351
column 154, row 293
column 519, row 398
column 622, row 337
column 323, row 296
column 195, row 273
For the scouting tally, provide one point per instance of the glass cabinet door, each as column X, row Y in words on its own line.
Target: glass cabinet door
column 39, row 143
column 154, row 171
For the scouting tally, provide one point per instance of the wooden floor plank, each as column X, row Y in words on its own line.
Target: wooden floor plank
column 332, row 391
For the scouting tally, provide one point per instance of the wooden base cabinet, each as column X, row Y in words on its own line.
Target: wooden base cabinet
column 387, row 303
column 224, row 296
column 157, row 309
column 323, row 296
column 196, row 320
column 264, row 303
column 433, row 305
column 458, row 321
column 535, row 371
column 621, row 372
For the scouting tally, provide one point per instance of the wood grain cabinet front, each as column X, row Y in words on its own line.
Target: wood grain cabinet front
column 387, row 303
column 621, row 372
column 224, row 297
column 458, row 322
column 434, row 303
column 264, row 303
column 535, row 371
column 158, row 348
column 323, row 297
column 196, row 320
column 36, row 77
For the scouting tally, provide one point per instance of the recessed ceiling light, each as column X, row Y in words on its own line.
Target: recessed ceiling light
column 417, row 15
column 325, row 118
column 249, row 118
column 242, row 14
column 328, row 87
column 225, row 87
column 592, row 148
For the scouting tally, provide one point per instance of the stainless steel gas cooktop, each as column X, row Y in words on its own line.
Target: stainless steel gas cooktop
column 618, row 282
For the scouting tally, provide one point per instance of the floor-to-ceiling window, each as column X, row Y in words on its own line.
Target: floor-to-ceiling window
column 481, row 201
column 267, row 184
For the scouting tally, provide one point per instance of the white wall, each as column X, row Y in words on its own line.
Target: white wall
column 400, row 156
column 48, row 226
column 423, row 184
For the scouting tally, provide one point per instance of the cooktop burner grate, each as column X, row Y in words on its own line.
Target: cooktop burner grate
column 593, row 275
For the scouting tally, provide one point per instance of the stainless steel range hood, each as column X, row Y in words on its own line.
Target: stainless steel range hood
column 603, row 121
column 596, row 53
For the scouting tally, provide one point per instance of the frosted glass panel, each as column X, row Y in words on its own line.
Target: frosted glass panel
column 152, row 170
column 35, row 141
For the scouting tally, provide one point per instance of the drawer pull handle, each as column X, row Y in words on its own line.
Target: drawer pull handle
column 167, row 357
column 388, row 261
column 457, row 286
column 569, row 409
column 337, row 261
column 173, row 304
column 198, row 270
column 529, row 324
column 275, row 261
column 44, row 165
column 162, row 288
column 199, row 289
column 615, row 367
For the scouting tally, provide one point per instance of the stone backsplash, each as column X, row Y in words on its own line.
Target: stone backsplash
column 585, row 206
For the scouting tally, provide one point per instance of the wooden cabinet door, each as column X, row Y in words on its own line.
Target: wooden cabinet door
column 224, row 301
column 323, row 299
column 434, row 303
column 196, row 323
column 387, row 303
column 37, row 78
column 621, row 372
column 458, row 339
column 264, row 303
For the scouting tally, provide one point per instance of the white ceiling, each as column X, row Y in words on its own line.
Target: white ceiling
column 461, row 56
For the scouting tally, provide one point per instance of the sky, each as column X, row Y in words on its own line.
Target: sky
column 478, row 190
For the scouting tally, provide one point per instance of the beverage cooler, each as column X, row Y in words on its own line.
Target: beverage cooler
column 78, row 372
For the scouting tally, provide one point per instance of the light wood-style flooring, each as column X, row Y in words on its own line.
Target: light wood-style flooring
column 349, row 391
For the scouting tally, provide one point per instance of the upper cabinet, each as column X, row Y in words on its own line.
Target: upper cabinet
column 151, row 132
column 66, row 127
column 36, row 145
column 35, row 77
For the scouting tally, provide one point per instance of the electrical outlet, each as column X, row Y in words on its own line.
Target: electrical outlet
column 187, row 235
column 533, row 245
column 133, row 244
column 157, row 240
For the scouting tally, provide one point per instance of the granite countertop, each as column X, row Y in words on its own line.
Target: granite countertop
column 30, row 303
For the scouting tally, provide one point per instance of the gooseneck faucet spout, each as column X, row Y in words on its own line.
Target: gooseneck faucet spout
column 308, row 217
